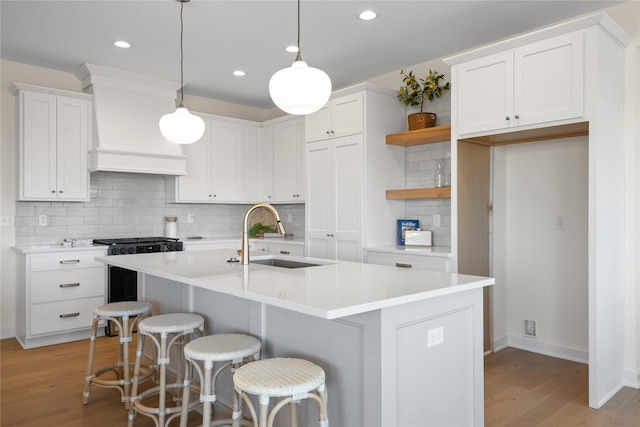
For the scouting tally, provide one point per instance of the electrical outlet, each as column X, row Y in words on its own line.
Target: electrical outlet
column 7, row 221
column 289, row 218
column 561, row 222
column 42, row 220
column 436, row 220
column 530, row 328
column 190, row 218
column 435, row 336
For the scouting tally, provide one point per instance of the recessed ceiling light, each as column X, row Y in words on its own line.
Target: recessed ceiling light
column 368, row 15
column 291, row 49
column 239, row 73
column 123, row 44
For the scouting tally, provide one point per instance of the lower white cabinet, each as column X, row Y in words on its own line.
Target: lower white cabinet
column 276, row 248
column 420, row 262
column 57, row 293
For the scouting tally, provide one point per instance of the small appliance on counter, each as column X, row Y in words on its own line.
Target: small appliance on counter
column 417, row 238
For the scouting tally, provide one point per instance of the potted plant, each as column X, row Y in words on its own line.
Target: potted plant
column 416, row 91
column 259, row 229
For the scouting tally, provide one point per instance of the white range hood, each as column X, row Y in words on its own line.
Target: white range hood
column 127, row 108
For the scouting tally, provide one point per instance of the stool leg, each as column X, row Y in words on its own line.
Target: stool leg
column 293, row 413
column 263, row 411
column 207, row 390
column 162, row 361
column 92, row 349
column 186, row 391
column 136, row 377
column 125, row 338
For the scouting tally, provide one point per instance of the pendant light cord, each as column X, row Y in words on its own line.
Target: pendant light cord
column 299, row 55
column 181, row 56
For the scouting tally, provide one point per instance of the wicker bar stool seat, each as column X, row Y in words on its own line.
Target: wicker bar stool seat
column 166, row 332
column 231, row 349
column 290, row 379
column 126, row 316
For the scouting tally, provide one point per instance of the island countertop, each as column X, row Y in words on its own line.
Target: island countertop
column 332, row 290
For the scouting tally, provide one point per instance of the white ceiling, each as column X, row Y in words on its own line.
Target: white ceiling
column 222, row 36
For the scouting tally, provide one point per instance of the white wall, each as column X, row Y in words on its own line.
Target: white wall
column 542, row 270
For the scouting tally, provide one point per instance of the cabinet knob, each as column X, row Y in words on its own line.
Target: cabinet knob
column 328, row 133
column 61, row 191
column 507, row 118
column 209, row 195
column 517, row 116
column 53, row 191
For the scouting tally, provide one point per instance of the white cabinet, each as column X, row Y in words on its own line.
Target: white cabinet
column 346, row 177
column 214, row 166
column 257, row 184
column 280, row 247
column 342, row 116
column 54, row 128
column 538, row 83
column 418, row 262
column 334, row 198
column 57, row 294
column 288, row 161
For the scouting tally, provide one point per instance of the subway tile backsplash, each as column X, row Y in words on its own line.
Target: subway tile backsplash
column 133, row 205
column 421, row 163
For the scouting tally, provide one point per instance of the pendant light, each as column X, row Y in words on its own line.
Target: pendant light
column 300, row 89
column 182, row 127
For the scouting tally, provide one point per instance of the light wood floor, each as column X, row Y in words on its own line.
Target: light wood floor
column 43, row 387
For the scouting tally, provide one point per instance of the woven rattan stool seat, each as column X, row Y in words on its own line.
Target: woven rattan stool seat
column 222, row 347
column 128, row 308
column 279, row 377
column 171, row 323
column 290, row 379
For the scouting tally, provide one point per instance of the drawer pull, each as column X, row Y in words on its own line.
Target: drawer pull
column 70, row 261
column 66, row 316
column 69, row 285
column 401, row 265
column 284, row 252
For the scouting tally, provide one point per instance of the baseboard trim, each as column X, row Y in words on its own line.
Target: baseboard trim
column 631, row 379
column 547, row 349
column 7, row 332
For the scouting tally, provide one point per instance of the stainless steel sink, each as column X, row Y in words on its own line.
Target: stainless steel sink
column 284, row 263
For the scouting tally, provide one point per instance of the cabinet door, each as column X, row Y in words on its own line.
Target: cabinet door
column 226, row 161
column 253, row 161
column 73, row 130
column 485, row 93
column 37, row 146
column 286, row 162
column 347, row 115
column 549, row 80
column 318, row 124
column 196, row 186
column 318, row 207
column 347, row 190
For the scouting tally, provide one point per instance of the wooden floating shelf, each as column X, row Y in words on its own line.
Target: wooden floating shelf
column 421, row 136
column 420, row 193
column 532, row 135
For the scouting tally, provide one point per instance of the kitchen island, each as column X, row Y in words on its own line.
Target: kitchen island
column 400, row 347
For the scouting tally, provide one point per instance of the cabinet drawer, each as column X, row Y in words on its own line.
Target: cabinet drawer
column 285, row 249
column 67, row 284
column 63, row 315
column 66, row 260
column 421, row 262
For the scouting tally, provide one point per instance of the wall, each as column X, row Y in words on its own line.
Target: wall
column 542, row 268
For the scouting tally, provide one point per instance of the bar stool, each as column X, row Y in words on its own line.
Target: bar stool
column 230, row 348
column 166, row 332
column 291, row 379
column 126, row 315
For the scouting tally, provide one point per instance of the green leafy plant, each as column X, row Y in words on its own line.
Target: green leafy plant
column 259, row 229
column 416, row 91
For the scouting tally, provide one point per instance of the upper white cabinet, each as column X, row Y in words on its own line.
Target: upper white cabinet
column 341, row 116
column 54, row 129
column 288, row 161
column 214, row 166
column 346, row 178
column 538, row 83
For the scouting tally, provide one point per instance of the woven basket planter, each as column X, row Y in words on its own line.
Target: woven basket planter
column 421, row 120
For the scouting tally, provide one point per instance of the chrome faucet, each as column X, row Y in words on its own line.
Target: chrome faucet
column 244, row 252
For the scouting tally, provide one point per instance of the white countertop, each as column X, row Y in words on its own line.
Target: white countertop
column 438, row 251
column 33, row 249
column 210, row 240
column 328, row 291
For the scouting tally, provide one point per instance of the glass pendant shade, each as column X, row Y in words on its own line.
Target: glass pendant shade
column 182, row 127
column 300, row 89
